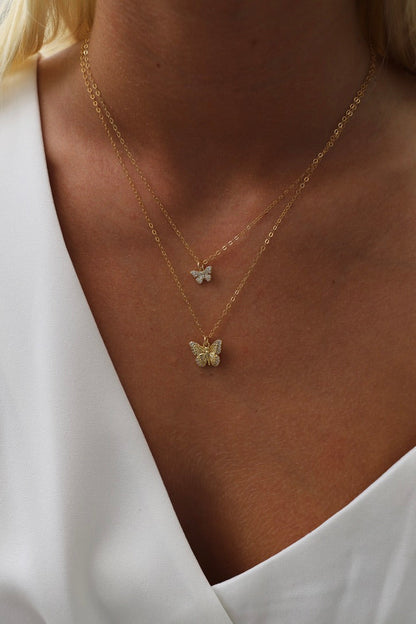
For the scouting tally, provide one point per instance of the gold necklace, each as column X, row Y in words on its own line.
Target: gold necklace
column 203, row 272
column 208, row 353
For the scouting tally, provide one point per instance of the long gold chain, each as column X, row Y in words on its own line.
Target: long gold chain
column 97, row 94
column 207, row 354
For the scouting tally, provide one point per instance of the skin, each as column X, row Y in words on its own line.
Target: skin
column 225, row 103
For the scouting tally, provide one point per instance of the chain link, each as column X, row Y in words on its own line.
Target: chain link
column 299, row 185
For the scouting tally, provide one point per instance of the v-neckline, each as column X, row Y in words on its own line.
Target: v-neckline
column 120, row 389
column 39, row 155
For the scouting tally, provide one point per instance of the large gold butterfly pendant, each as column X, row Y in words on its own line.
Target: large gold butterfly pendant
column 206, row 353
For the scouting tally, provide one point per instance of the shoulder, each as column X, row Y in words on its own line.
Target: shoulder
column 15, row 89
column 18, row 115
column 22, row 168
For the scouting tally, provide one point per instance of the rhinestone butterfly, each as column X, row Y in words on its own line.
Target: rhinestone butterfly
column 206, row 353
column 205, row 274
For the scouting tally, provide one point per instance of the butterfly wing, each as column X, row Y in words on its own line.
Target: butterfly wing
column 201, row 357
column 207, row 273
column 216, row 346
column 198, row 275
column 214, row 351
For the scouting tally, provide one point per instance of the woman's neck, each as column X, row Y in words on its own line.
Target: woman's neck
column 229, row 77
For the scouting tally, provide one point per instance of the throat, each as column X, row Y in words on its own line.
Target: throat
column 227, row 77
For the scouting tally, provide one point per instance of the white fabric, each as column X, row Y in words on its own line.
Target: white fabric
column 88, row 534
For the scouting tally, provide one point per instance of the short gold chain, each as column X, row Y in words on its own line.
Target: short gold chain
column 232, row 241
column 92, row 89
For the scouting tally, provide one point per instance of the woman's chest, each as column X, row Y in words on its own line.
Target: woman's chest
column 314, row 396
column 312, row 401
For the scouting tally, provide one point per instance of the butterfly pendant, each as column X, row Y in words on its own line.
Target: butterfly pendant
column 206, row 353
column 205, row 274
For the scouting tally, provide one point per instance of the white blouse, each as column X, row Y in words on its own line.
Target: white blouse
column 88, row 534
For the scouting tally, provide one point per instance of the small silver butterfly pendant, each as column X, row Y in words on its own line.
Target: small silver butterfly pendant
column 205, row 274
column 206, row 353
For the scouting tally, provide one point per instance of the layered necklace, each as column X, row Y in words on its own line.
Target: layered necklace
column 208, row 353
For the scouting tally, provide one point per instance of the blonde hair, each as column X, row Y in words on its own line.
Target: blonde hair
column 27, row 25
column 390, row 26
